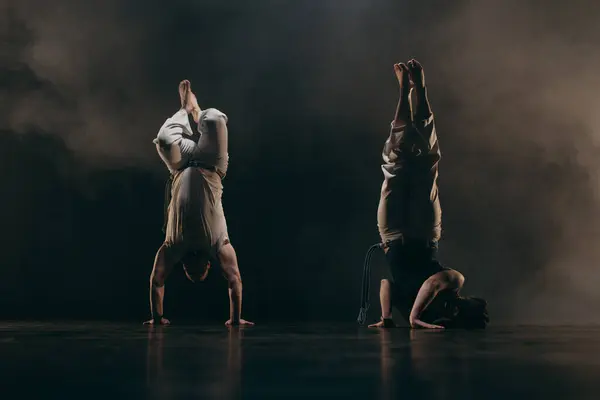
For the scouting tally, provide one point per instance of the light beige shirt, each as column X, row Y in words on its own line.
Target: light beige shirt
column 409, row 205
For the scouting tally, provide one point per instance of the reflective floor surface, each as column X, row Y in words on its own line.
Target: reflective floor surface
column 104, row 360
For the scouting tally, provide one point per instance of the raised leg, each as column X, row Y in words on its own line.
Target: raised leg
column 421, row 109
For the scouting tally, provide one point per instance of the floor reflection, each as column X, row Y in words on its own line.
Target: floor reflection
column 155, row 376
column 308, row 362
column 426, row 363
column 387, row 365
column 232, row 381
column 213, row 364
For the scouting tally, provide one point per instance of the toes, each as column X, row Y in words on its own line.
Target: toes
column 414, row 64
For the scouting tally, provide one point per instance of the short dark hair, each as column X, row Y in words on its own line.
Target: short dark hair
column 469, row 313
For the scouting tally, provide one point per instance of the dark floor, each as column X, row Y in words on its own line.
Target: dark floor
column 46, row 361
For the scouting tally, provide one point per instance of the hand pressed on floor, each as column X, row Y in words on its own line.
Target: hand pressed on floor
column 163, row 321
column 241, row 322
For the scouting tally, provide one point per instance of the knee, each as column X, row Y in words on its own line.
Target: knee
column 165, row 138
column 385, row 283
column 214, row 117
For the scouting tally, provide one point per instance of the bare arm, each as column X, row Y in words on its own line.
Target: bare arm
column 427, row 293
column 446, row 281
column 385, row 298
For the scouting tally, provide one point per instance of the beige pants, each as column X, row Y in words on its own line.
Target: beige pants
column 410, row 209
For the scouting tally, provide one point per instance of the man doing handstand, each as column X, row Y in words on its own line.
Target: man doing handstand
column 196, row 230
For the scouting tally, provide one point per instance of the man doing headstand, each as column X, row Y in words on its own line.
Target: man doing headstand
column 409, row 218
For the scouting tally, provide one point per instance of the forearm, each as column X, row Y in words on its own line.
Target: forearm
column 235, row 301
column 157, row 295
column 385, row 298
column 425, row 296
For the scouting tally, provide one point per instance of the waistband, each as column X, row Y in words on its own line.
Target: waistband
column 401, row 241
column 198, row 164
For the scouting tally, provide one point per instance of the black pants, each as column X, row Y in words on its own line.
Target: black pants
column 411, row 263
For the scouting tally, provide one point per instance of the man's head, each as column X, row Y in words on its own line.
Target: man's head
column 467, row 313
column 196, row 266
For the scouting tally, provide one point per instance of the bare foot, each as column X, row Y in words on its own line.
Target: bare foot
column 417, row 75
column 192, row 107
column 184, row 87
column 241, row 322
column 402, row 74
column 163, row 321
column 384, row 323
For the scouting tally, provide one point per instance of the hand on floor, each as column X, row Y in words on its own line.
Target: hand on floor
column 241, row 322
column 418, row 324
column 384, row 323
column 163, row 321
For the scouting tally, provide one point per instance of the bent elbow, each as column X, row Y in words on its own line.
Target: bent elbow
column 450, row 280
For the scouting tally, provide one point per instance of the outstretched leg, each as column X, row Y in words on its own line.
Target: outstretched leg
column 231, row 271
column 421, row 109
column 166, row 258
column 402, row 116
